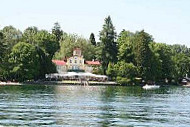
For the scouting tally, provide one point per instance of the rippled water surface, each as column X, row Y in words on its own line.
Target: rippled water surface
column 52, row 105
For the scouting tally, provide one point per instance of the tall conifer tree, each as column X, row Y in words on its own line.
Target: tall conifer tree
column 56, row 30
column 92, row 39
column 107, row 38
column 143, row 53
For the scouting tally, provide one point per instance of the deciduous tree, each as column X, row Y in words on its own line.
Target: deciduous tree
column 11, row 36
column 29, row 34
column 24, row 62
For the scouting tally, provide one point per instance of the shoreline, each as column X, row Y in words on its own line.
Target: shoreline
column 68, row 82
column 90, row 83
column 74, row 82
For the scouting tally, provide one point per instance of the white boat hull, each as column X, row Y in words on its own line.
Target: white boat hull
column 9, row 83
column 147, row 87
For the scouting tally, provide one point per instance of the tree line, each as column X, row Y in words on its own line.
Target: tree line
column 127, row 57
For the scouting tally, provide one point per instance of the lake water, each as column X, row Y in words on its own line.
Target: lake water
column 52, row 105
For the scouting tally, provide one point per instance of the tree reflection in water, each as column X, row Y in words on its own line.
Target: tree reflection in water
column 53, row 105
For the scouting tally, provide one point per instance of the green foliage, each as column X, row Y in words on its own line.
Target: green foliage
column 180, row 49
column 2, row 47
column 97, row 70
column 72, row 41
column 181, row 61
column 56, row 30
column 29, row 55
column 2, row 55
column 45, row 45
column 24, row 62
column 125, row 72
column 155, row 64
column 163, row 52
column 182, row 65
column 98, row 51
column 143, row 54
column 153, row 60
column 124, row 80
column 92, row 39
column 46, row 65
column 47, row 42
column 125, row 46
column 11, row 36
column 109, row 46
column 111, row 72
column 126, row 69
column 29, row 34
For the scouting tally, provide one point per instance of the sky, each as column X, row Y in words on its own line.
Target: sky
column 168, row 21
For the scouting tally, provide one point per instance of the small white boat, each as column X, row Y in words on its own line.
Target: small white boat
column 2, row 83
column 148, row 87
column 9, row 83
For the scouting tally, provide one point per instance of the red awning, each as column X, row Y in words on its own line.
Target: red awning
column 59, row 62
column 92, row 62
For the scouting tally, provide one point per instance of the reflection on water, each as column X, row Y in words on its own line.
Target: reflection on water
column 94, row 106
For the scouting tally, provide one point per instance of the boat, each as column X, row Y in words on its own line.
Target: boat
column 2, row 83
column 184, row 82
column 148, row 87
column 9, row 83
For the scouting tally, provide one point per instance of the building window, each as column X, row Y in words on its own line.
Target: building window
column 75, row 61
column 80, row 61
column 70, row 61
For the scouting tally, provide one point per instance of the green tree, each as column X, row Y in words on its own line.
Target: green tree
column 181, row 66
column 56, row 30
column 47, row 42
column 111, row 72
column 126, row 72
column 109, row 46
column 46, row 46
column 155, row 63
column 165, row 56
column 2, row 47
column 180, row 49
column 143, row 54
column 29, row 34
column 92, row 39
column 73, row 41
column 46, row 65
column 125, row 46
column 24, row 62
column 2, row 55
column 11, row 36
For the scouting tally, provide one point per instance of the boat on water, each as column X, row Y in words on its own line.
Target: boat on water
column 149, row 87
column 2, row 83
column 185, row 83
column 9, row 83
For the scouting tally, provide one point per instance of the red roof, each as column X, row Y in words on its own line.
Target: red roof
column 59, row 62
column 92, row 62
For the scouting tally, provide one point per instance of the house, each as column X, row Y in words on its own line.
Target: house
column 76, row 63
